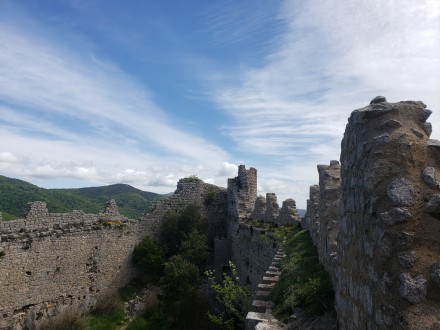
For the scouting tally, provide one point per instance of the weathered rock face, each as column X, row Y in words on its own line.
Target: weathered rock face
column 288, row 214
column 329, row 191
column 259, row 210
column 242, row 193
column 385, row 269
column 272, row 208
column 311, row 218
column 389, row 235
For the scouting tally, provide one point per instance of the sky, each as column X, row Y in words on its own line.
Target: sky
column 97, row 92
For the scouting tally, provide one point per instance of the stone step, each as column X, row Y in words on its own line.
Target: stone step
column 266, row 286
column 255, row 318
column 269, row 326
column 262, row 295
column 270, row 279
column 272, row 273
column 274, row 269
column 260, row 306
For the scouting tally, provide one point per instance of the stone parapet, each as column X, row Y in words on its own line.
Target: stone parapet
column 388, row 246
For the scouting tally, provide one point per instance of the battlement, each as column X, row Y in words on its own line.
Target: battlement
column 374, row 219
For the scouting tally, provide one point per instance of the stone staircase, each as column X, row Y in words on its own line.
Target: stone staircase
column 260, row 317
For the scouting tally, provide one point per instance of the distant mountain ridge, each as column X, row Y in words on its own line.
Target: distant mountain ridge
column 15, row 194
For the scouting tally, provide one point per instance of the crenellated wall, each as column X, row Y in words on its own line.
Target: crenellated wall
column 328, row 224
column 50, row 261
column 386, row 266
column 251, row 249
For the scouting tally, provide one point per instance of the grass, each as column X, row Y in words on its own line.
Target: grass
column 304, row 282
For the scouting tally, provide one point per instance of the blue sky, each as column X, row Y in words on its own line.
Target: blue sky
column 96, row 92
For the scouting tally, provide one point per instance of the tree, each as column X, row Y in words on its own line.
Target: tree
column 195, row 248
column 179, row 285
column 150, row 258
column 177, row 225
column 233, row 297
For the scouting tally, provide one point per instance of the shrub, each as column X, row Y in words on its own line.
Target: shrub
column 210, row 196
column 149, row 257
column 177, row 225
column 191, row 178
column 71, row 319
column 304, row 282
column 180, row 279
column 195, row 248
column 234, row 298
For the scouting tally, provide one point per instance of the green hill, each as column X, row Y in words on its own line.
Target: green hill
column 15, row 194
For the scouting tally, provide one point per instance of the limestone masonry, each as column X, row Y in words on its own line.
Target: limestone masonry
column 376, row 219
column 53, row 261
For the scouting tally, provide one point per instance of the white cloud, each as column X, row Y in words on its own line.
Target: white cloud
column 65, row 113
column 39, row 75
column 228, row 170
column 332, row 58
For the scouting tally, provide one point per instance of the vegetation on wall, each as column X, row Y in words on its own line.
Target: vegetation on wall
column 304, row 283
column 191, row 178
column 234, row 298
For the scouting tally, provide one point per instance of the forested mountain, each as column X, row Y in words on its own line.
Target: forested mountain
column 15, row 194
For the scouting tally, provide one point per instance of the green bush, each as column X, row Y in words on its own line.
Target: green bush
column 210, row 196
column 149, row 257
column 180, row 280
column 195, row 248
column 177, row 225
column 234, row 298
column 191, row 178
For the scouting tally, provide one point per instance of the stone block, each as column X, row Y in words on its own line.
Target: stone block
column 433, row 205
column 414, row 290
column 396, row 215
column 428, row 176
column 435, row 274
column 401, row 192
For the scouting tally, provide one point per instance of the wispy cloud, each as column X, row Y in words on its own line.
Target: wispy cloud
column 334, row 57
column 231, row 22
column 73, row 115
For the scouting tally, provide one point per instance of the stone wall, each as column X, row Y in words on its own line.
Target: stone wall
column 253, row 252
column 242, row 193
column 267, row 210
column 49, row 261
column 288, row 215
column 311, row 218
column 329, row 191
column 386, row 273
